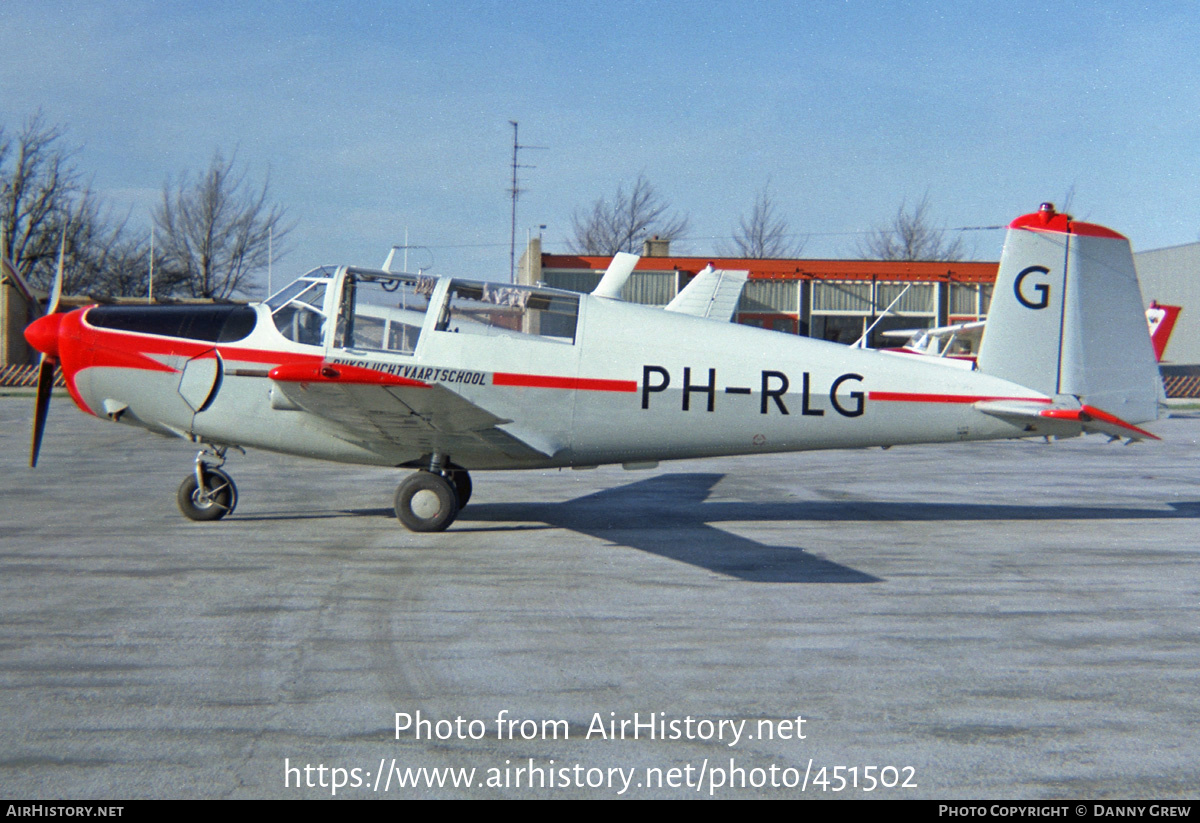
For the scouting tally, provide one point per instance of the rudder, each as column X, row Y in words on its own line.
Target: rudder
column 1066, row 317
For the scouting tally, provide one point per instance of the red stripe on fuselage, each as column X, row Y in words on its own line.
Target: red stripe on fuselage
column 542, row 381
column 95, row 347
column 908, row 397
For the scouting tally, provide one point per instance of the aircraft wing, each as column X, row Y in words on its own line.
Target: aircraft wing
column 379, row 410
column 938, row 331
column 713, row 293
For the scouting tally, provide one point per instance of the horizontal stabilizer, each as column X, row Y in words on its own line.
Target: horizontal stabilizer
column 1099, row 421
column 1013, row 409
column 1088, row 418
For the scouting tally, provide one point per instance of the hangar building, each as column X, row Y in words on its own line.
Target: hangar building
column 839, row 299
column 1172, row 276
column 833, row 300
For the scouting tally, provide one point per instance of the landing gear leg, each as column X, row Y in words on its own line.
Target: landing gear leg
column 207, row 493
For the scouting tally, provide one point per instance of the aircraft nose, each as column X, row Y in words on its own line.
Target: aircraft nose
column 42, row 334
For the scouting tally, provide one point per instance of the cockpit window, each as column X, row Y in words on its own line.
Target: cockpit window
column 281, row 297
column 300, row 314
column 498, row 309
column 214, row 324
column 382, row 312
column 323, row 274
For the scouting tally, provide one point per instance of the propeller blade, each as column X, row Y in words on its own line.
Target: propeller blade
column 56, row 289
column 45, row 385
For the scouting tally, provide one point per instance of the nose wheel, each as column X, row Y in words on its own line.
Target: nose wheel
column 430, row 500
column 208, row 493
column 212, row 500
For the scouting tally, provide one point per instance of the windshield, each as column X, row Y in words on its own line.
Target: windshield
column 299, row 312
column 317, row 275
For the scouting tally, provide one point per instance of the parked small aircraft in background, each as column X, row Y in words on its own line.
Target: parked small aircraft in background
column 953, row 345
column 447, row 376
column 956, row 344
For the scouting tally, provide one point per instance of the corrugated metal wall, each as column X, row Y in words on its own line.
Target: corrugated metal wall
column 841, row 297
column 581, row 281
column 970, row 299
column 770, row 296
column 854, row 297
column 653, row 288
column 920, row 298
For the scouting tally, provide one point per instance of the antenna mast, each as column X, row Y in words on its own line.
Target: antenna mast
column 515, row 191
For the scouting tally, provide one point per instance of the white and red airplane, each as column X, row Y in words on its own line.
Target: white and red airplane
column 447, row 376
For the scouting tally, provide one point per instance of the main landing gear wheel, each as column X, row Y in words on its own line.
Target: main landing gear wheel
column 462, row 485
column 427, row 502
column 216, row 499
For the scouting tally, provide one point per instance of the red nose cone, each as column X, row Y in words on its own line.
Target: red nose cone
column 42, row 334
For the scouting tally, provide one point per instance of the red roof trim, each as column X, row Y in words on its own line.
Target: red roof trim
column 781, row 269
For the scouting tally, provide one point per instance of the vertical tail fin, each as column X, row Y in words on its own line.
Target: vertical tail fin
column 1066, row 317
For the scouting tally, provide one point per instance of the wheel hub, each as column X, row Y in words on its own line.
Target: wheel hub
column 425, row 504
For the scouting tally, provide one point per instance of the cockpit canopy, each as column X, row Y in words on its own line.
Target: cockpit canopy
column 385, row 312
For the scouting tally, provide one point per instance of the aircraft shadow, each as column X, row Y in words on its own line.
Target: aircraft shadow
column 669, row 515
column 666, row 516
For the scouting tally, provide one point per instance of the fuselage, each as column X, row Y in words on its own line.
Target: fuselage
column 581, row 380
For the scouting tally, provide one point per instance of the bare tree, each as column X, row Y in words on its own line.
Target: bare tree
column 216, row 230
column 90, row 241
column 622, row 223
column 38, row 184
column 43, row 202
column 764, row 232
column 909, row 236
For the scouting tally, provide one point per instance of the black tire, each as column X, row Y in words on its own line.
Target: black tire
column 220, row 500
column 462, row 485
column 426, row 502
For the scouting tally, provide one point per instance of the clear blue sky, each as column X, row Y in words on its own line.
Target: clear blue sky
column 374, row 117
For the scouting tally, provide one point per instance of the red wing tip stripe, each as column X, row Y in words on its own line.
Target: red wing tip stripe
column 542, row 381
column 909, row 397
